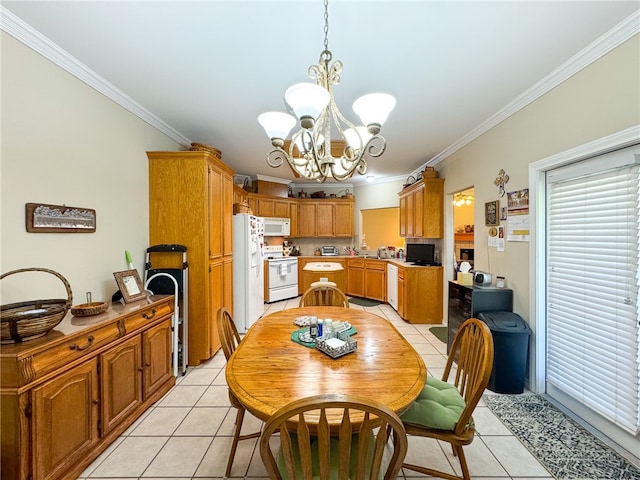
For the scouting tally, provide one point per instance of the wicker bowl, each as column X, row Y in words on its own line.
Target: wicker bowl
column 88, row 309
column 25, row 321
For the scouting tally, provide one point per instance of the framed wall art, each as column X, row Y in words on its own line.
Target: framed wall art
column 491, row 213
column 45, row 218
column 130, row 285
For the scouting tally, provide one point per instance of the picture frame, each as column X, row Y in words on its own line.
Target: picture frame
column 130, row 285
column 491, row 212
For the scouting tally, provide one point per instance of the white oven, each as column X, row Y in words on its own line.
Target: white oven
column 281, row 276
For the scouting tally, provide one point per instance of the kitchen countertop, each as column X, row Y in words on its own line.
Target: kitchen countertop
column 332, row 258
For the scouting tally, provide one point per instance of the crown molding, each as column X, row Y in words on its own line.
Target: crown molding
column 600, row 47
column 33, row 39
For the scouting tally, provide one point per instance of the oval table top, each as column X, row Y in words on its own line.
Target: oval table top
column 269, row 370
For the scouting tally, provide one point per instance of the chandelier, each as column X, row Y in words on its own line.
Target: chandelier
column 311, row 152
column 461, row 199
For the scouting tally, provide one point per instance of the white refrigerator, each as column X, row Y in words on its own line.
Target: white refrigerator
column 248, row 270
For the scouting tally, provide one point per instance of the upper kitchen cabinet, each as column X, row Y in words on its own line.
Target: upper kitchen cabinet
column 191, row 197
column 422, row 209
column 325, row 218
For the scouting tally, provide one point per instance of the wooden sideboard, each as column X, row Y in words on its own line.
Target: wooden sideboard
column 68, row 395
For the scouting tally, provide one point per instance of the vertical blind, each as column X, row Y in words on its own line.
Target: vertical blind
column 592, row 286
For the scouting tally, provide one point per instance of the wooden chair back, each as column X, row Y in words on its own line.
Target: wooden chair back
column 312, row 423
column 229, row 336
column 473, row 347
column 324, row 295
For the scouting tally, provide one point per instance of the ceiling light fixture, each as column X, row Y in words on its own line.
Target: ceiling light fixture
column 460, row 199
column 311, row 152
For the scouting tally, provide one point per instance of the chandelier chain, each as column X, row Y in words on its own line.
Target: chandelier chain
column 326, row 25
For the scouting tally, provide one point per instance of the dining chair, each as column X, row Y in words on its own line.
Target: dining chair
column 230, row 338
column 444, row 408
column 324, row 294
column 366, row 439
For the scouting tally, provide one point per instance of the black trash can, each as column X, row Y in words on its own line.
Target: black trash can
column 511, row 350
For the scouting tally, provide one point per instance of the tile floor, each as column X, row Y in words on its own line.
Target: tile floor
column 187, row 434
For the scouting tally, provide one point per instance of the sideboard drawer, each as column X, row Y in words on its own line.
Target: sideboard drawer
column 144, row 317
column 73, row 348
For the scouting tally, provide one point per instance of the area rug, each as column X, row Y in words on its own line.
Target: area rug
column 440, row 333
column 364, row 302
column 565, row 448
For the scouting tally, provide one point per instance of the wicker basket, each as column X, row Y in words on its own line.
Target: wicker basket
column 203, row 147
column 241, row 208
column 25, row 321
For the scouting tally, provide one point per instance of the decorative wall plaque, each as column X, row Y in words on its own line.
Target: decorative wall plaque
column 43, row 218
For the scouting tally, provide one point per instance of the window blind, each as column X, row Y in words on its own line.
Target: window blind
column 592, row 286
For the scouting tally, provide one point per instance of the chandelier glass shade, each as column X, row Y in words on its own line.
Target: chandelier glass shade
column 311, row 151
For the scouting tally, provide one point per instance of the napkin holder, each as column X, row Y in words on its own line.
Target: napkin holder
column 329, row 344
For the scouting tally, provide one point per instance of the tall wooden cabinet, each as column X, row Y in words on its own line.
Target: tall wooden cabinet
column 191, row 198
column 422, row 209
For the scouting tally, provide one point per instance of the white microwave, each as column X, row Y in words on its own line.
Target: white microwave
column 277, row 227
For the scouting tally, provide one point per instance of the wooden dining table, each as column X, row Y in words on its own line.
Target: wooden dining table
column 269, row 370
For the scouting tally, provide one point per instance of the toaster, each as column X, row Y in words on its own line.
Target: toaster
column 329, row 251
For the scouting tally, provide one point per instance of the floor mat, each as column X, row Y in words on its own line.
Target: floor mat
column 440, row 333
column 364, row 302
column 565, row 448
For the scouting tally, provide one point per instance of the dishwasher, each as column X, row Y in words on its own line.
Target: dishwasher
column 392, row 285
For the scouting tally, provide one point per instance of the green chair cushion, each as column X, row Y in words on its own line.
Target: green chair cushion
column 439, row 405
column 315, row 463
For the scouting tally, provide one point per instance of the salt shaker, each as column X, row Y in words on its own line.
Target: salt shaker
column 327, row 329
column 320, row 329
column 313, row 327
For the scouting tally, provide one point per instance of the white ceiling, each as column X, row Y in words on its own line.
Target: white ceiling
column 205, row 70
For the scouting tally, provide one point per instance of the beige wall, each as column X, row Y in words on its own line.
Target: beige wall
column 65, row 143
column 602, row 99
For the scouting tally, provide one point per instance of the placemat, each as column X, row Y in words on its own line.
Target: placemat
column 295, row 336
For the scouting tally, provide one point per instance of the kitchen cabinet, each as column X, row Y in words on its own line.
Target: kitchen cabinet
column 240, row 195
column 191, row 203
column 375, row 283
column 355, row 277
column 269, row 206
column 325, row 218
column 66, row 396
column 419, row 293
column 366, row 277
column 466, row 301
column 422, row 209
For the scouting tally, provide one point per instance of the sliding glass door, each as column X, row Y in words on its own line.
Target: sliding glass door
column 593, row 337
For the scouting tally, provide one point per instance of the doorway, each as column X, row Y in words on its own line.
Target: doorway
column 463, row 228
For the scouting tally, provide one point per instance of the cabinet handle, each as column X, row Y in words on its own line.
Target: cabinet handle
column 149, row 316
column 73, row 346
column 96, row 402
